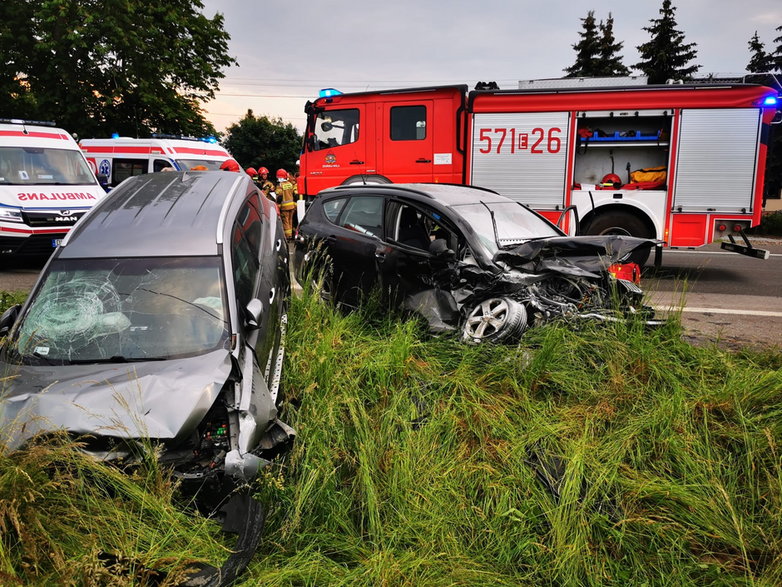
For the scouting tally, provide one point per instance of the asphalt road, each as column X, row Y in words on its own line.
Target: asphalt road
column 723, row 297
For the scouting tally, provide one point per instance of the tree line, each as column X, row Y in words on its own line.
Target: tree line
column 665, row 56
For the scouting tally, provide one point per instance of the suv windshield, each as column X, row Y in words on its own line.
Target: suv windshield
column 116, row 310
column 43, row 166
column 515, row 224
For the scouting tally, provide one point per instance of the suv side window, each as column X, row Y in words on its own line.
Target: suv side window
column 245, row 242
column 363, row 214
column 408, row 123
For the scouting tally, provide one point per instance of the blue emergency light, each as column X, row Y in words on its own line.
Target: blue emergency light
column 115, row 135
column 328, row 93
column 210, row 139
column 770, row 101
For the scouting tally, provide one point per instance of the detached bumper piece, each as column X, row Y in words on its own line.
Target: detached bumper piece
column 745, row 249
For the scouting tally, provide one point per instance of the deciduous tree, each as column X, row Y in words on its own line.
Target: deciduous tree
column 102, row 66
column 666, row 56
column 264, row 142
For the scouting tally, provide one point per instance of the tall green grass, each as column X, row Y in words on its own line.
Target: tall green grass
column 598, row 456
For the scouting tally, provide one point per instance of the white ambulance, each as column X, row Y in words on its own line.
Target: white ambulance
column 122, row 157
column 46, row 185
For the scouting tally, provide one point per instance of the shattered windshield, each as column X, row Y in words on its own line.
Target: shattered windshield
column 116, row 310
column 515, row 224
column 43, row 166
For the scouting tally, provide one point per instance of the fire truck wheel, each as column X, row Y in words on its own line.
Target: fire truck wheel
column 365, row 179
column 495, row 320
column 622, row 223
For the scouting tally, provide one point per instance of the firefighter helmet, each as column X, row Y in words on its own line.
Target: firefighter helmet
column 230, row 165
column 282, row 174
column 611, row 179
column 262, row 170
column 251, row 172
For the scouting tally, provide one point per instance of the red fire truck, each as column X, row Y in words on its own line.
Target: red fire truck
column 683, row 163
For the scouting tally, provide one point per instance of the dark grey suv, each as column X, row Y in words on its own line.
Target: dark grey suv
column 162, row 316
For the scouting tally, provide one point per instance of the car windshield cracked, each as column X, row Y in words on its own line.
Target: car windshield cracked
column 89, row 310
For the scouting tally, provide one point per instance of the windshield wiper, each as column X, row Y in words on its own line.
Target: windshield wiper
column 115, row 359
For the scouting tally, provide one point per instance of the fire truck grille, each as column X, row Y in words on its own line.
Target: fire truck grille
column 51, row 218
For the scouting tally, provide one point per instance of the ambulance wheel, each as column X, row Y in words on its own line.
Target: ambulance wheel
column 365, row 179
column 495, row 320
column 624, row 224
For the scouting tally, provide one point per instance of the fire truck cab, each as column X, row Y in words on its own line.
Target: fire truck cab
column 45, row 186
column 122, row 157
column 683, row 163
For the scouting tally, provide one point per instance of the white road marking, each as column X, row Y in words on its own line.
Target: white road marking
column 692, row 252
column 720, row 311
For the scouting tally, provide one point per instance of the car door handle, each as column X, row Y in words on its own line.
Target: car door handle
column 356, row 162
column 272, row 294
column 279, row 244
column 422, row 160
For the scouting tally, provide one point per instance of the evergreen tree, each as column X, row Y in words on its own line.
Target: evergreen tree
column 666, row 56
column 760, row 61
column 587, row 49
column 777, row 55
column 610, row 61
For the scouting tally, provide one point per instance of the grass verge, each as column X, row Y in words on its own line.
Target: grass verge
column 599, row 456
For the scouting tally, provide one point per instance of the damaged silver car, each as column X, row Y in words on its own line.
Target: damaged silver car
column 161, row 318
column 466, row 259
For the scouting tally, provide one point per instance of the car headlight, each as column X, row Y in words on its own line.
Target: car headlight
column 11, row 215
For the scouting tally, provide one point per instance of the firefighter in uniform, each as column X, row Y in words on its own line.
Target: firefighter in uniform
column 286, row 200
column 267, row 187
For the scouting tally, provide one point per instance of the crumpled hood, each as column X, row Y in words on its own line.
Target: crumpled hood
column 155, row 399
column 588, row 253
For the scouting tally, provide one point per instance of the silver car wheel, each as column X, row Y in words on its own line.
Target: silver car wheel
column 496, row 320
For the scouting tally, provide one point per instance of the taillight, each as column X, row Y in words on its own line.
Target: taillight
column 626, row 271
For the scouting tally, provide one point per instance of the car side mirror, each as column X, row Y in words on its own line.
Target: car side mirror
column 103, row 180
column 326, row 126
column 8, row 319
column 439, row 248
column 254, row 311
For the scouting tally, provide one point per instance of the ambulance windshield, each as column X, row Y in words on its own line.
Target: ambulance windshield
column 43, row 166
column 188, row 164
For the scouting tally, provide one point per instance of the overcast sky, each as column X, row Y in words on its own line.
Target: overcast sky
column 288, row 50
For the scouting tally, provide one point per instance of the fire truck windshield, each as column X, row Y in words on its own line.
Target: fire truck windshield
column 512, row 222
column 333, row 128
column 43, row 166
